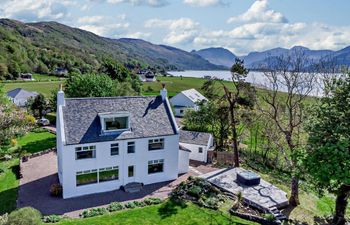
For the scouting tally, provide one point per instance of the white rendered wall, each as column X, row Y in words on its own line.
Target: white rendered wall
column 184, row 161
column 195, row 155
column 103, row 159
column 181, row 100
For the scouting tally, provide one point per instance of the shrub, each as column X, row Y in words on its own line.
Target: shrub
column 269, row 217
column 24, row 216
column 130, row 205
column 3, row 219
column 56, row 190
column 38, row 130
column 1, row 170
column 52, row 219
column 115, row 206
column 93, row 212
column 195, row 191
column 153, row 201
column 139, row 203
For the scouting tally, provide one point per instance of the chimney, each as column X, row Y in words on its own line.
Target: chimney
column 60, row 97
column 163, row 92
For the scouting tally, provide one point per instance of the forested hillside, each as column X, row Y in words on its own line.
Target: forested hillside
column 45, row 46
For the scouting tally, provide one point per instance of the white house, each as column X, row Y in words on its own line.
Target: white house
column 187, row 99
column 106, row 143
column 198, row 143
column 20, row 96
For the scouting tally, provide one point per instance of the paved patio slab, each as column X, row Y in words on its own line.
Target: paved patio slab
column 263, row 195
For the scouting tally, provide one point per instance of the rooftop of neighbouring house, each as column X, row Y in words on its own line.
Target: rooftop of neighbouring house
column 21, row 93
column 194, row 137
column 194, row 95
column 149, row 117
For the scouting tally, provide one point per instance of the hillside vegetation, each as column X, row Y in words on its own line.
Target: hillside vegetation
column 45, row 46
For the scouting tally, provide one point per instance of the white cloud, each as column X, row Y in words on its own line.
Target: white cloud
column 104, row 25
column 180, row 31
column 137, row 35
column 152, row 3
column 259, row 12
column 205, row 3
column 35, row 10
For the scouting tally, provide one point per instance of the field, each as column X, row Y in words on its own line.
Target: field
column 44, row 87
column 166, row 213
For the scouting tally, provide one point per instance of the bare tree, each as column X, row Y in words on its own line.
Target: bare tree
column 243, row 95
column 288, row 74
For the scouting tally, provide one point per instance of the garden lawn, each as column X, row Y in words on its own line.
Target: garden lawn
column 166, row 213
column 9, row 181
column 37, row 141
column 44, row 88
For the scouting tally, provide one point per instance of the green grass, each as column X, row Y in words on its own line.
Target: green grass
column 45, row 77
column 8, row 185
column 44, row 88
column 166, row 213
column 36, row 142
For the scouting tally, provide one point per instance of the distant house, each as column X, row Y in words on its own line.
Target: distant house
column 147, row 76
column 104, row 144
column 187, row 99
column 61, row 72
column 26, row 76
column 20, row 96
column 200, row 144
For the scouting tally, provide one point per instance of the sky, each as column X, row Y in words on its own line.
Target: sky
column 241, row 26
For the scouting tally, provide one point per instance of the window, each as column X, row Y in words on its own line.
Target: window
column 109, row 173
column 131, row 147
column 200, row 150
column 115, row 149
column 156, row 144
column 86, row 152
column 130, row 171
column 181, row 111
column 116, row 123
column 155, row 166
column 86, row 177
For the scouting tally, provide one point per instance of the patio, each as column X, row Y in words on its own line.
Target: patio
column 40, row 172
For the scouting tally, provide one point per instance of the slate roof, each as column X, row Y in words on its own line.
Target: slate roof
column 149, row 117
column 182, row 148
column 194, row 95
column 193, row 137
column 21, row 93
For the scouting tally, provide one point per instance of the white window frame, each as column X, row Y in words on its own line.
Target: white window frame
column 131, row 143
column 156, row 140
column 156, row 161
column 200, row 149
column 117, row 146
column 85, row 149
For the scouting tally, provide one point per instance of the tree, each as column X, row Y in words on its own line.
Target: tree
column 328, row 150
column 24, row 216
column 90, row 85
column 3, row 71
column 242, row 96
column 13, row 121
column 38, row 105
column 288, row 74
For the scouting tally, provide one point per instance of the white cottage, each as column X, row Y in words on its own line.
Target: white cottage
column 104, row 144
column 198, row 143
column 20, row 97
column 187, row 99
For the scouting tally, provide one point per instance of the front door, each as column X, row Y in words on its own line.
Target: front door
column 131, row 173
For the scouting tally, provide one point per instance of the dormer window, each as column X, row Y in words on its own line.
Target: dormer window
column 115, row 121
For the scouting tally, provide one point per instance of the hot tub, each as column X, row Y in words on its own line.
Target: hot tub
column 248, row 178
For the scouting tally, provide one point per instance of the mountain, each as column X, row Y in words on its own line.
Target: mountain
column 44, row 46
column 217, row 56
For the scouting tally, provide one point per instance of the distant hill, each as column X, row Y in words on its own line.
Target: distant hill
column 217, row 56
column 44, row 46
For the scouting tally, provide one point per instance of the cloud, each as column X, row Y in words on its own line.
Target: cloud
column 137, row 35
column 259, row 12
column 35, row 10
column 104, row 25
column 180, row 31
column 205, row 3
column 152, row 3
